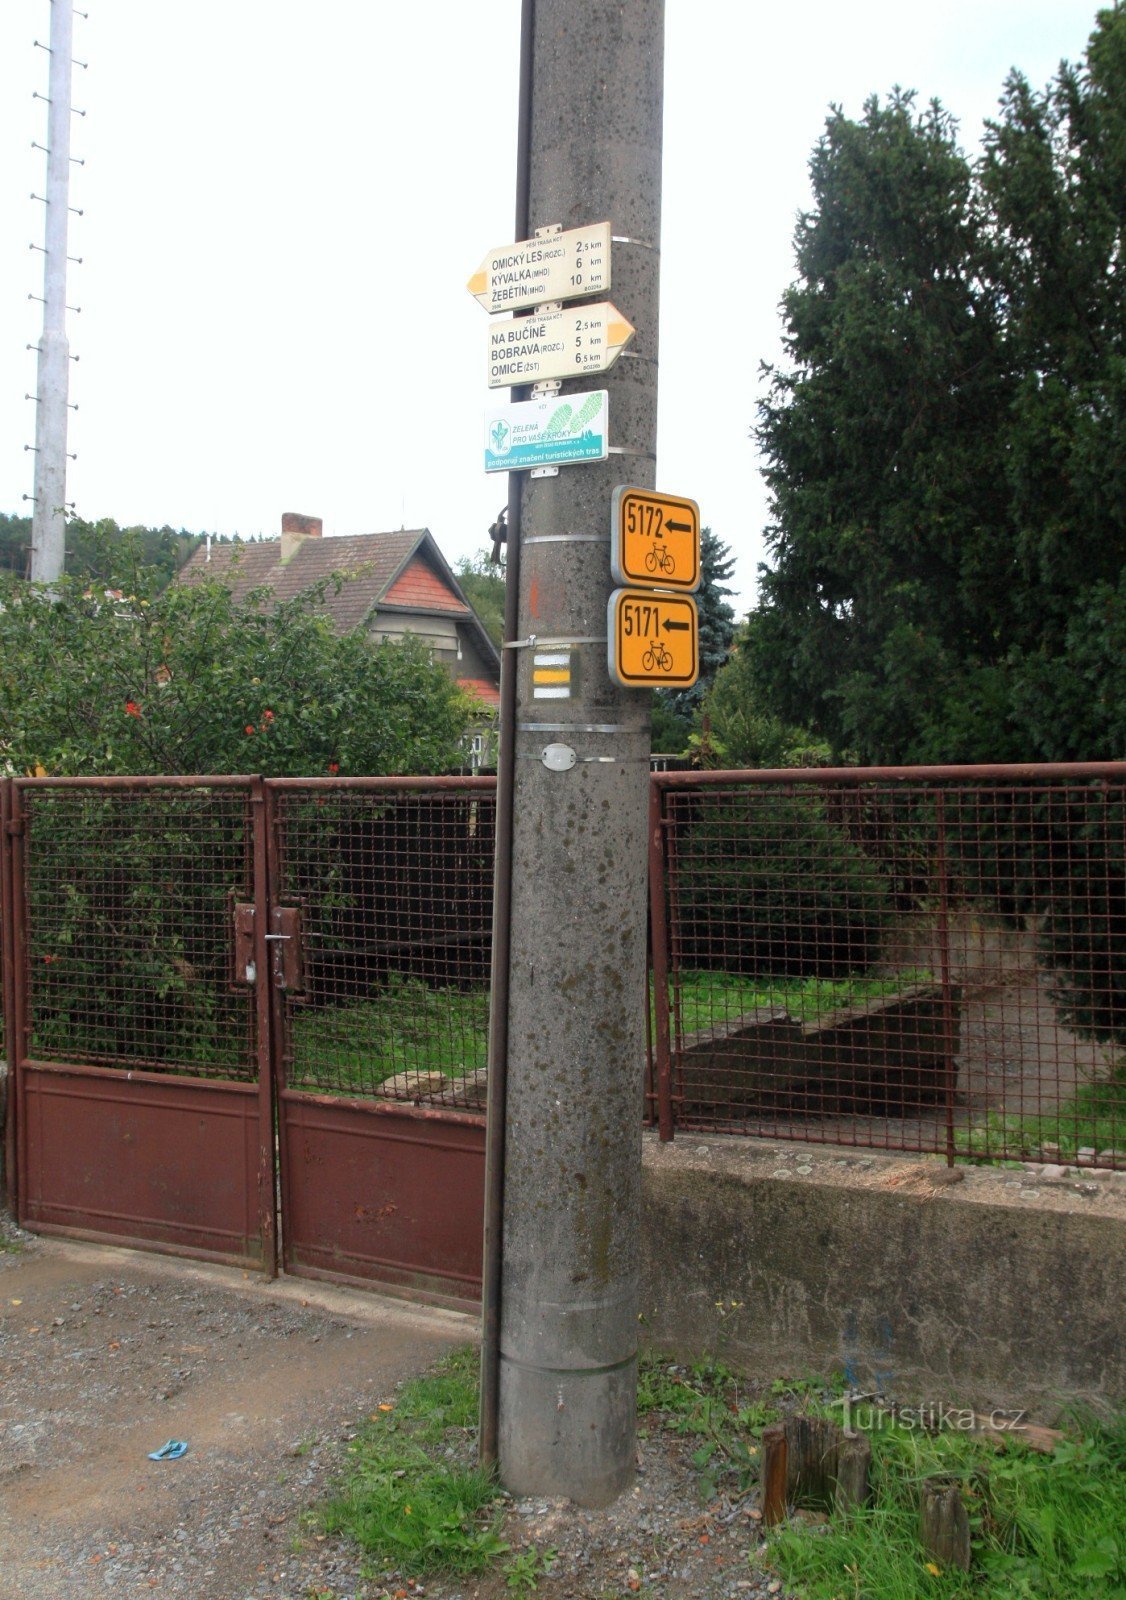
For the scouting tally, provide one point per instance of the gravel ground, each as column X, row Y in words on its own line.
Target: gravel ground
column 105, row 1354
column 657, row 1542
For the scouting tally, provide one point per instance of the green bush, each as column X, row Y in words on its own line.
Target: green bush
column 766, row 882
column 129, row 898
column 1083, row 937
column 129, row 679
column 1054, row 859
column 130, row 894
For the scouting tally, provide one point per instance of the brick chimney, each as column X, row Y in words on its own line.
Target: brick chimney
column 295, row 528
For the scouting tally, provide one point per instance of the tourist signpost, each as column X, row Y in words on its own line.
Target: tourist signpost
column 563, row 265
column 556, row 344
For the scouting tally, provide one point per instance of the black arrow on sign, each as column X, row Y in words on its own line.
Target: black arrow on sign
column 679, row 527
column 676, row 627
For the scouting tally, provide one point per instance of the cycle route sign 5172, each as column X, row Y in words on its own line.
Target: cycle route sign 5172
column 654, row 539
column 653, row 639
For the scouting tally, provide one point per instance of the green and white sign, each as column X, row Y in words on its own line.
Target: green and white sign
column 553, row 432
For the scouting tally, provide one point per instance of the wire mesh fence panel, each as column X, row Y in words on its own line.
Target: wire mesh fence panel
column 933, row 964
column 392, row 887
column 128, row 909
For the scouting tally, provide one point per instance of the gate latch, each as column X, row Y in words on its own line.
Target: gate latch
column 287, row 949
column 245, row 968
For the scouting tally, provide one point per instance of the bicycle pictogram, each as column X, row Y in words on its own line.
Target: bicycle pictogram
column 657, row 656
column 659, row 556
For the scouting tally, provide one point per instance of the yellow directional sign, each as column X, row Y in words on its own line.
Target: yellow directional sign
column 653, row 640
column 655, row 539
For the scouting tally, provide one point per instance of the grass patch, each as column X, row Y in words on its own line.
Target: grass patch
column 1042, row 1528
column 404, row 1500
column 703, row 1402
column 1094, row 1120
column 406, row 1027
column 708, row 998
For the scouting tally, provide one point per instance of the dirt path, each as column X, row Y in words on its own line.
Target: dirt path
column 1014, row 1058
column 105, row 1354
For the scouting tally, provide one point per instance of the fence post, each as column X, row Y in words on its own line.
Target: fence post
column 658, row 933
column 951, row 1071
column 263, row 1006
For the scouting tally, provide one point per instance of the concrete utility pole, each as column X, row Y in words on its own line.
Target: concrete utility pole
column 575, row 1018
column 48, row 522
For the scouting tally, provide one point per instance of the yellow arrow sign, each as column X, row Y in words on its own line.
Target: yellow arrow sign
column 655, row 539
column 556, row 344
column 653, row 640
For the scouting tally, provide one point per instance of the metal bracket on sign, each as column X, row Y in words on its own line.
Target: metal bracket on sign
column 548, row 229
column 546, row 389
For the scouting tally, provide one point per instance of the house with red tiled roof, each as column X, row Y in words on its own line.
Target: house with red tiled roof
column 396, row 583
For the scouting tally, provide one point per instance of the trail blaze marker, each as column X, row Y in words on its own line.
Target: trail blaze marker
column 556, row 266
column 654, row 539
column 556, row 344
column 652, row 640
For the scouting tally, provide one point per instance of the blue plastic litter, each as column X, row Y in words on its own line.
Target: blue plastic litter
column 172, row 1451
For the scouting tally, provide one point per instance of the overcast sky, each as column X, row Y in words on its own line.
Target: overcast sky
column 282, row 202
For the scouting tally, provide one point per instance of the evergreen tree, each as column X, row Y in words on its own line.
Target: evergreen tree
column 15, row 544
column 943, row 444
column 93, row 549
column 675, row 709
column 481, row 580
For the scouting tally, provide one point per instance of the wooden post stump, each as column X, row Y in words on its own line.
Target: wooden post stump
column 773, row 1458
column 854, row 1463
column 808, row 1461
column 944, row 1526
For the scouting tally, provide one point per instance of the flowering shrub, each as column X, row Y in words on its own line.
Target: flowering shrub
column 128, row 679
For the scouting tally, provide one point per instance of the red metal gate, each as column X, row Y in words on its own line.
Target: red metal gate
column 139, row 1054
column 213, row 982
column 380, row 932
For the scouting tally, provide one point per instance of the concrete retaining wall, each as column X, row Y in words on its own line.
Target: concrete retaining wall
column 882, row 1053
column 999, row 1288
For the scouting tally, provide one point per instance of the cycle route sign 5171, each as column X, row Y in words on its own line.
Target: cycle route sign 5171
column 654, row 539
column 653, row 639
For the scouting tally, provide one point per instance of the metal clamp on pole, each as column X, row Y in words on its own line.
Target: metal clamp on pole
column 534, row 642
